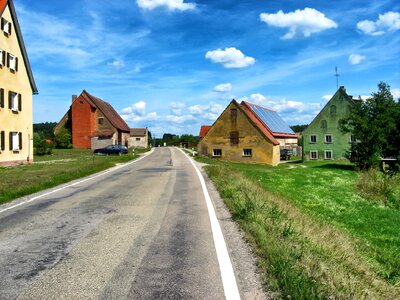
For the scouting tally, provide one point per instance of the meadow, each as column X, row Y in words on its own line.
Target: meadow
column 314, row 235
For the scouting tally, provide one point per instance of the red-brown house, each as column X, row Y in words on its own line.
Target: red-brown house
column 94, row 123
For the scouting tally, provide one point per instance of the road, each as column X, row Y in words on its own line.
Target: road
column 140, row 231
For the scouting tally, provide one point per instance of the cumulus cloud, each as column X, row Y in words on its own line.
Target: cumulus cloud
column 355, row 59
column 327, row 97
column 223, row 87
column 304, row 22
column 177, row 107
column 137, row 113
column 389, row 21
column 169, row 4
column 230, row 58
column 396, row 93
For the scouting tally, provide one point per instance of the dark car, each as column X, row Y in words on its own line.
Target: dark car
column 112, row 149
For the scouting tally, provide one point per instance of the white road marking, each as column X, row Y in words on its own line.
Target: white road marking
column 78, row 182
column 227, row 275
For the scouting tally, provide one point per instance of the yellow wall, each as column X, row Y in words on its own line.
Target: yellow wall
column 17, row 82
column 218, row 137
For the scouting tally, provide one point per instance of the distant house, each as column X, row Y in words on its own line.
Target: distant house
column 322, row 139
column 247, row 132
column 139, row 138
column 16, row 88
column 93, row 123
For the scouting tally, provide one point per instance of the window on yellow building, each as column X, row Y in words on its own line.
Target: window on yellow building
column 12, row 62
column 6, row 26
column 217, row 152
column 2, row 58
column 2, row 140
column 15, row 141
column 1, row 98
column 14, row 101
column 247, row 152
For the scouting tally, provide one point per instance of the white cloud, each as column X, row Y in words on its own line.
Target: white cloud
column 169, row 4
column 327, row 97
column 223, row 87
column 117, row 64
column 136, row 113
column 177, row 107
column 355, row 59
column 230, row 58
column 389, row 21
column 396, row 94
column 305, row 21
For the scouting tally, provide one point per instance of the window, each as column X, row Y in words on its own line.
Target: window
column 352, row 139
column 5, row 26
column 217, row 152
column 333, row 110
column 15, row 141
column 314, row 154
column 313, row 139
column 234, row 138
column 2, row 141
column 14, row 101
column 101, row 120
column 328, row 138
column 138, row 139
column 12, row 62
column 328, row 154
column 324, row 124
column 247, row 152
column 233, row 113
column 2, row 58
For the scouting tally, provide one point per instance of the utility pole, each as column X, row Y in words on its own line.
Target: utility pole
column 337, row 78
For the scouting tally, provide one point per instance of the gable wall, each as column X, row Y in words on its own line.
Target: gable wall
column 218, row 137
column 83, row 126
column 340, row 142
column 18, row 82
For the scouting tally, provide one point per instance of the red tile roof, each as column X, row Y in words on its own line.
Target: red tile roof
column 108, row 111
column 203, row 130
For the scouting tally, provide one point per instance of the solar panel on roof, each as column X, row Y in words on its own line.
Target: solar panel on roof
column 271, row 119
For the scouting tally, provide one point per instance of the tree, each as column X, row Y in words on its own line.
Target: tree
column 298, row 128
column 374, row 123
column 63, row 138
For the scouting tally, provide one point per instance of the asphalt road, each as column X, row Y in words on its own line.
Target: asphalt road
column 141, row 231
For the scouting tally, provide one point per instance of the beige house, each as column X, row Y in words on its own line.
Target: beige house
column 16, row 88
column 139, row 138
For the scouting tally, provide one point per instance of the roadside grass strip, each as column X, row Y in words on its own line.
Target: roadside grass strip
column 302, row 255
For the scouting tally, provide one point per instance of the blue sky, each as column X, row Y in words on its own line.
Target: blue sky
column 173, row 65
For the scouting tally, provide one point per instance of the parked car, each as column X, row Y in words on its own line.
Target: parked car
column 112, row 149
column 285, row 154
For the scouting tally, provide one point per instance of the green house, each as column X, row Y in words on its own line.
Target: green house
column 322, row 139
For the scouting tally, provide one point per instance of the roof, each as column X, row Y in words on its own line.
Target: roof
column 269, row 119
column 3, row 4
column 107, row 110
column 203, row 130
column 138, row 131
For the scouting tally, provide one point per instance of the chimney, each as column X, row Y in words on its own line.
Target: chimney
column 74, row 97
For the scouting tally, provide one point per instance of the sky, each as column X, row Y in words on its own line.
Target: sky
column 174, row 65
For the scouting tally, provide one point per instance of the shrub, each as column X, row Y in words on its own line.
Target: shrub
column 63, row 139
column 379, row 187
column 41, row 146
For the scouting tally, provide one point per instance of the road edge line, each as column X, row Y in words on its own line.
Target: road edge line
column 231, row 289
column 96, row 175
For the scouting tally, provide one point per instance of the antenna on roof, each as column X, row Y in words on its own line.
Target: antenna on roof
column 337, row 77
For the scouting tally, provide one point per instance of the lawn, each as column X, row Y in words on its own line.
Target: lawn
column 50, row 170
column 316, row 238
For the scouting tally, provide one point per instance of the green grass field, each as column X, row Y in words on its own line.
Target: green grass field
column 50, row 170
column 315, row 237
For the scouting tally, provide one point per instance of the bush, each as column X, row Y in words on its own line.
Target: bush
column 379, row 187
column 41, row 146
column 63, row 139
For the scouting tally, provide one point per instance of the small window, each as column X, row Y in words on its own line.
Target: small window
column 12, row 62
column 217, row 152
column 2, row 140
column 313, row 139
column 352, row 139
column 138, row 139
column 324, row 124
column 233, row 113
column 15, row 141
column 101, row 120
column 234, row 138
column 6, row 26
column 328, row 154
column 14, row 101
column 247, row 152
column 314, row 154
column 328, row 138
column 2, row 58
column 333, row 110
column 2, row 98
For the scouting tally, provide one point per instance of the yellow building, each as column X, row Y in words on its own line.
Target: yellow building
column 247, row 132
column 16, row 88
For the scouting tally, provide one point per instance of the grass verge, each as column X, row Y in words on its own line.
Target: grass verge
column 48, row 171
column 314, row 236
